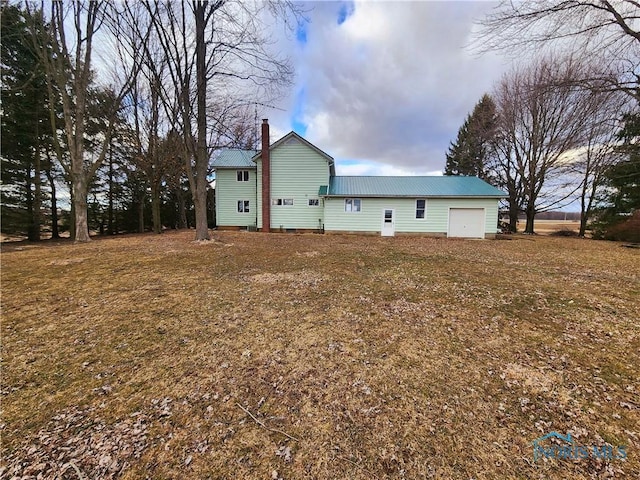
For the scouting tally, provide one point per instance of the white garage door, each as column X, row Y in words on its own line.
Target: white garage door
column 466, row 222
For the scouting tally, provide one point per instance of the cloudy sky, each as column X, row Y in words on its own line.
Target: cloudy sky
column 383, row 87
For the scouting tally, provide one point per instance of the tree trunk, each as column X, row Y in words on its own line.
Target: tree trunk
column 583, row 225
column 155, row 208
column 36, row 217
column 211, row 206
column 202, row 227
column 202, row 157
column 583, row 212
column 37, row 197
column 586, row 207
column 110, row 230
column 531, row 214
column 80, row 209
column 513, row 217
column 182, row 209
column 55, row 232
column 141, row 215
column 72, row 212
column 29, row 202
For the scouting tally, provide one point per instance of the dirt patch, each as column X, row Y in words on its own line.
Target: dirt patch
column 66, row 261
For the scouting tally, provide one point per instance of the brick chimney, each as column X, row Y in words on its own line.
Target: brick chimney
column 266, row 177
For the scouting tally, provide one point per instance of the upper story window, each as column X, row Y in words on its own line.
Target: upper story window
column 421, row 208
column 292, row 141
column 352, row 205
column 242, row 175
column 314, row 202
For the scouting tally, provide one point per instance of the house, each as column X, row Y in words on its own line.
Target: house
column 291, row 185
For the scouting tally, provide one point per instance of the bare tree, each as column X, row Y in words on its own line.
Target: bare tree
column 541, row 119
column 599, row 30
column 207, row 65
column 502, row 168
column 598, row 152
column 73, row 28
column 147, row 113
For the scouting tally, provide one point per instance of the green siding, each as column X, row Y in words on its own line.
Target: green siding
column 228, row 192
column 369, row 219
column 297, row 172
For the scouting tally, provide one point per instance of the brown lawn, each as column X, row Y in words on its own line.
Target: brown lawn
column 307, row 356
column 547, row 227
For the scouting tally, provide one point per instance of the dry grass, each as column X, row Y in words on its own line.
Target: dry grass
column 547, row 227
column 308, row 356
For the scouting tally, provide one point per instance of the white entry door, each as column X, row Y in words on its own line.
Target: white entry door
column 388, row 222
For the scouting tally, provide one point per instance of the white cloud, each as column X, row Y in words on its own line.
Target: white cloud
column 394, row 82
column 360, row 168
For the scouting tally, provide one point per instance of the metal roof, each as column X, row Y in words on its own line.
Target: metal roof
column 235, row 158
column 448, row 186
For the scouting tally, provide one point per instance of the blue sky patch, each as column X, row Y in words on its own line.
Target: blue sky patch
column 301, row 32
column 297, row 124
column 346, row 10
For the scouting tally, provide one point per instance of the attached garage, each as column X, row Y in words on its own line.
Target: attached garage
column 466, row 223
column 456, row 206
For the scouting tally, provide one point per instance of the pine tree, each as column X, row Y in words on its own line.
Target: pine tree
column 471, row 152
column 26, row 129
column 623, row 178
column 619, row 216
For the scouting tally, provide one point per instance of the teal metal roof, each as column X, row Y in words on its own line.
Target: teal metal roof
column 449, row 186
column 235, row 158
column 322, row 191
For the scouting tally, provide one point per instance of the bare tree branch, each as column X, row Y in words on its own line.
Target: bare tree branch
column 598, row 30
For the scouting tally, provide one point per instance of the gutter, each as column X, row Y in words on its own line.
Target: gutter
column 357, row 195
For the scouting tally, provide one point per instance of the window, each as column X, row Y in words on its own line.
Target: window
column 242, row 175
column 287, row 202
column 352, row 204
column 292, row 141
column 243, row 206
column 421, row 208
column 314, row 202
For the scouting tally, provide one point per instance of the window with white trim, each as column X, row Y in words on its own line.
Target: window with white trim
column 421, row 208
column 284, row 202
column 242, row 175
column 314, row 202
column 243, row 206
column 352, row 205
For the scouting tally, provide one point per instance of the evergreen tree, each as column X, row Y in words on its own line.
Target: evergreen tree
column 619, row 217
column 26, row 130
column 471, row 152
column 623, row 178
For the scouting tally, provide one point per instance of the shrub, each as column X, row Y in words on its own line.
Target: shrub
column 564, row 232
column 625, row 231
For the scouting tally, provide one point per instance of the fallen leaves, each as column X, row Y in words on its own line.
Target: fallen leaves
column 310, row 356
column 80, row 441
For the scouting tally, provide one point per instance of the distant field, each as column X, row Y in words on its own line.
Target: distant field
column 545, row 227
column 308, row 356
